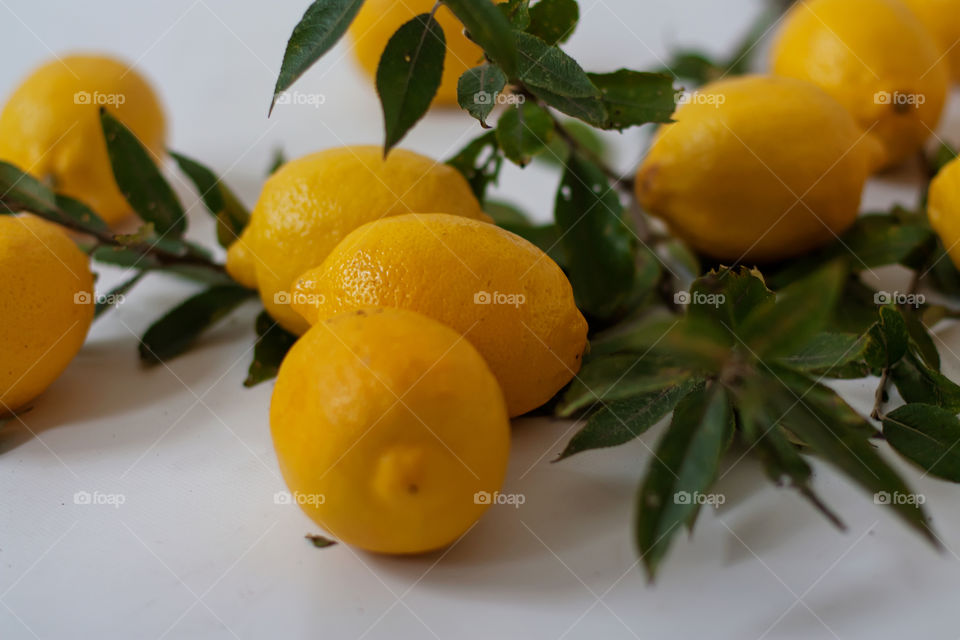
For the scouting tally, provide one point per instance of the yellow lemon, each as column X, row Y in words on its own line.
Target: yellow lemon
column 501, row 292
column 757, row 168
column 943, row 208
column 50, row 126
column 876, row 59
column 942, row 20
column 46, row 306
column 378, row 20
column 390, row 430
column 311, row 203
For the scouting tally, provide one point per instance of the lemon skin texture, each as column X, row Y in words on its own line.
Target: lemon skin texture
column 310, row 204
column 50, row 127
column 876, row 58
column 396, row 422
column 943, row 208
column 757, row 169
column 46, row 307
column 942, row 20
column 505, row 295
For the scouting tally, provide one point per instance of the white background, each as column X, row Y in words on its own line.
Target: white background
column 200, row 549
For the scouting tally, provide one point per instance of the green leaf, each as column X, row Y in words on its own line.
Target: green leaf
column 19, row 190
column 323, row 24
column 517, row 12
column 232, row 217
column 589, row 109
column 409, row 75
column 505, row 214
column 80, row 213
column 928, row 436
column 479, row 162
column 685, row 464
column 891, row 332
column 725, row 296
column 918, row 383
column 543, row 66
column 801, row 311
column 585, row 135
column 115, row 296
column 920, row 337
column 173, row 333
column 597, row 244
column 828, row 354
column 320, row 542
column 273, row 342
column 488, row 27
column 618, row 377
column 524, row 131
column 140, row 180
column 545, row 236
column 621, row 421
column 553, row 21
column 822, row 400
column 687, row 342
column 278, row 160
column 634, row 98
column 944, row 154
column 879, row 240
column 477, row 91
column 693, row 65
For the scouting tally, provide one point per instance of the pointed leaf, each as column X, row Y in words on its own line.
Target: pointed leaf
column 524, row 131
column 927, row 435
column 553, row 21
column 634, row 98
column 273, row 342
column 543, row 66
column 479, row 162
column 232, row 217
column 918, row 383
column 488, row 27
column 478, row 89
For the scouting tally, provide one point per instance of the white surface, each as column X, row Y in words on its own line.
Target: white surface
column 199, row 548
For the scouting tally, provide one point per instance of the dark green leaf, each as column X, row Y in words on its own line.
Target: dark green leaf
column 524, row 131
column 488, row 27
column 917, row 382
column 891, row 331
column 686, row 341
column 324, row 22
column 479, row 162
column 920, row 337
column 681, row 262
column 725, row 296
column 597, row 244
column 693, row 65
column 543, row 66
column 589, row 109
column 320, row 542
column 553, row 21
column 829, row 354
column 173, row 333
column 116, row 295
column 505, row 214
column 409, row 75
column 273, row 342
column 634, row 98
column 140, row 180
column 544, row 236
column 944, row 154
column 232, row 217
column 477, row 91
column 684, row 466
column 122, row 257
column 20, row 191
column 585, row 135
column 517, row 12
column 623, row 420
column 822, row 400
column 928, row 436
column 80, row 213
column 879, row 240
column 279, row 159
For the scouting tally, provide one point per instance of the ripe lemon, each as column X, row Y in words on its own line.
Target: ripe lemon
column 310, row 204
column 943, row 208
column 50, row 126
column 46, row 306
column 757, row 168
column 390, row 430
column 501, row 292
column 876, row 59
column 942, row 20
column 378, row 20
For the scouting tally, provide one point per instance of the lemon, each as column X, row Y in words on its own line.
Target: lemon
column 943, row 208
column 942, row 20
column 757, row 168
column 50, row 126
column 876, row 59
column 307, row 206
column 390, row 430
column 506, row 296
column 46, row 307
column 378, row 20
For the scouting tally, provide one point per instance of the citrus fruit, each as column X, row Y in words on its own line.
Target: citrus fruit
column 942, row 20
column 757, row 168
column 943, row 208
column 876, row 58
column 505, row 295
column 390, row 430
column 308, row 205
column 46, row 306
column 378, row 20
column 50, row 126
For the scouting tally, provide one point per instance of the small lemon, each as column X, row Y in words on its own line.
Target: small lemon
column 757, row 168
column 505, row 295
column 390, row 430
column 50, row 126
column 378, row 20
column 46, row 306
column 942, row 20
column 876, row 59
column 943, row 208
column 308, row 205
